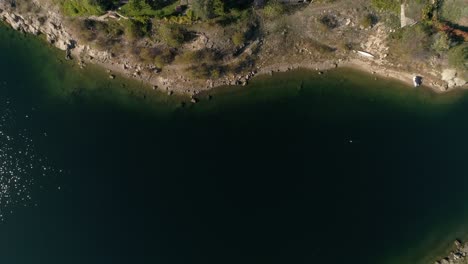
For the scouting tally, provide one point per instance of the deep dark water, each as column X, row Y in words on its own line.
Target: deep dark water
column 343, row 170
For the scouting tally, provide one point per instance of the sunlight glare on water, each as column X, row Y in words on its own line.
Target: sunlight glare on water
column 20, row 165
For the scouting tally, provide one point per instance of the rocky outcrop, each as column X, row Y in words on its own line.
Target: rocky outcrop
column 49, row 24
column 452, row 78
column 457, row 256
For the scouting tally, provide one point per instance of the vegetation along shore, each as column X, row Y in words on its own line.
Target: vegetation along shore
column 189, row 46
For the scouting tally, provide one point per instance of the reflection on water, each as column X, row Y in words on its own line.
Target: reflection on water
column 19, row 164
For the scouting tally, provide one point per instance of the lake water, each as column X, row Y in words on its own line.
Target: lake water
column 294, row 168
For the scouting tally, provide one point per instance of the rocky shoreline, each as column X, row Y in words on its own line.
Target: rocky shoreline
column 457, row 256
column 50, row 23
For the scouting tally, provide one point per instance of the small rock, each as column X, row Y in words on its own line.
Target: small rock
column 112, row 76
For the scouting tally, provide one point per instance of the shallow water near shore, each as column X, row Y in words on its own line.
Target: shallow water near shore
column 294, row 168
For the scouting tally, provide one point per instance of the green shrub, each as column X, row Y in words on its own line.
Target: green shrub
column 387, row 5
column 163, row 58
column 441, row 42
column 143, row 9
column 80, row 7
column 158, row 56
column 137, row 8
column 206, row 9
column 206, row 71
column 238, row 38
column 368, row 21
column 412, row 43
column 273, row 9
column 454, row 10
column 458, row 57
column 172, row 34
column 328, row 22
column 345, row 46
column 135, row 29
column 146, row 55
column 198, row 57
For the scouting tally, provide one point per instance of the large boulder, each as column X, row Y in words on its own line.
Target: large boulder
column 452, row 78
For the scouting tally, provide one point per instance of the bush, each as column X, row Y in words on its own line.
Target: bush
column 458, row 57
column 135, row 29
column 158, row 56
column 328, row 22
column 273, row 9
column 80, row 7
column 137, row 8
column 346, row 46
column 163, row 58
column 198, row 57
column 238, row 38
column 206, row 9
column 368, row 21
column 387, row 5
column 413, row 43
column 441, row 42
column 172, row 34
column 206, row 71
column 146, row 55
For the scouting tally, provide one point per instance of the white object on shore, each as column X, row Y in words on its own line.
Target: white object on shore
column 365, row 54
column 417, row 81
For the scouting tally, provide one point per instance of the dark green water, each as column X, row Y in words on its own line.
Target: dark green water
column 295, row 168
